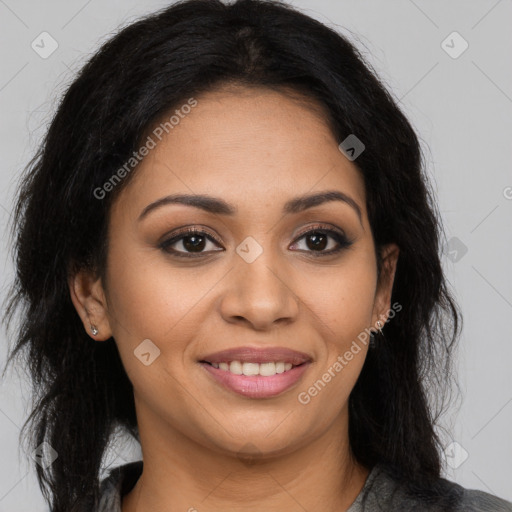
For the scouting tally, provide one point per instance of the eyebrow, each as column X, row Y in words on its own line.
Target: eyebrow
column 219, row 206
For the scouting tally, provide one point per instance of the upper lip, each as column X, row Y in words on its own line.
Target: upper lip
column 258, row 355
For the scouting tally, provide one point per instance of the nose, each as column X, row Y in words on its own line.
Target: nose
column 259, row 294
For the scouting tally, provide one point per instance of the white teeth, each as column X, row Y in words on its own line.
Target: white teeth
column 250, row 369
column 267, row 369
column 235, row 367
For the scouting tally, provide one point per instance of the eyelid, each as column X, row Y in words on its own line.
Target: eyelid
column 321, row 226
column 193, row 229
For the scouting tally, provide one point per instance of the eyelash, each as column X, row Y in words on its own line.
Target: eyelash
column 339, row 237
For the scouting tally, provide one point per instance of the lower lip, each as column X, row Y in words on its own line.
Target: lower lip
column 256, row 386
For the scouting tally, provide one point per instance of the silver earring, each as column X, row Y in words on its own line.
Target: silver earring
column 379, row 325
column 94, row 330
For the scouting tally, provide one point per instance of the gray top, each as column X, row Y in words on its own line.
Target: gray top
column 380, row 493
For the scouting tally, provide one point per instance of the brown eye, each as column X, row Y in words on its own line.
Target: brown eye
column 317, row 241
column 190, row 243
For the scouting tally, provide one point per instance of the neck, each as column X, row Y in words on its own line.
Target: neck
column 180, row 474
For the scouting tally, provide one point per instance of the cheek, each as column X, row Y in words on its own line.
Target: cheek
column 148, row 298
column 342, row 311
column 342, row 297
column 142, row 306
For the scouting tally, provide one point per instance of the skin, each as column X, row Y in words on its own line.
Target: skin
column 256, row 149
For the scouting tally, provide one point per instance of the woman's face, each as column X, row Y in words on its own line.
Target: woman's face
column 260, row 285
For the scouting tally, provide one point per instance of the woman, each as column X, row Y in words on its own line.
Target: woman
column 227, row 246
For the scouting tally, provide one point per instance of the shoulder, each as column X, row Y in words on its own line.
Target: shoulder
column 479, row 501
column 385, row 492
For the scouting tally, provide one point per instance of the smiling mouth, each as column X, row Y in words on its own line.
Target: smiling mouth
column 256, row 380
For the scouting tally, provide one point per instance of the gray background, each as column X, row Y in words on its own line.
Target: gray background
column 461, row 108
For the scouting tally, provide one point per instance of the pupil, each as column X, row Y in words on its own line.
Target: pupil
column 198, row 244
column 319, row 241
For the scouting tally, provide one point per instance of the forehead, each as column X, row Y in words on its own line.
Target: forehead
column 252, row 147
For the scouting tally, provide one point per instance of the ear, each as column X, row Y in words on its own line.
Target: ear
column 88, row 297
column 382, row 303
